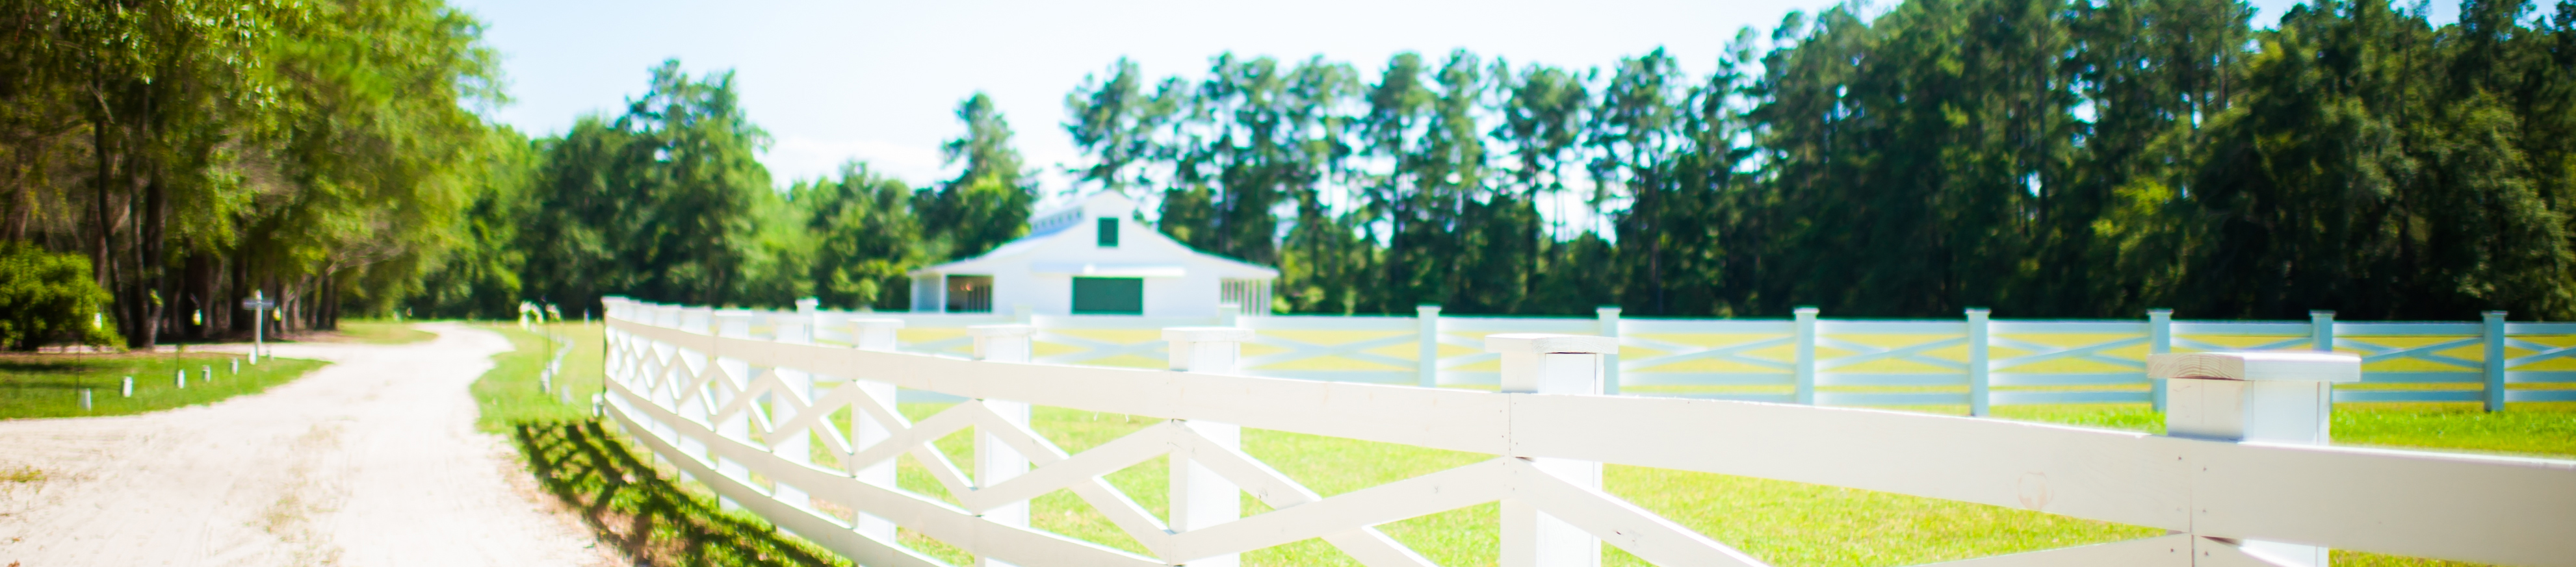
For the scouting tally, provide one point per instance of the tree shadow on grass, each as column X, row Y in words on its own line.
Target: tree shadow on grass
column 650, row 518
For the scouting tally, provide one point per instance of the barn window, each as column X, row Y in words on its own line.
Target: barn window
column 1108, row 296
column 1108, row 232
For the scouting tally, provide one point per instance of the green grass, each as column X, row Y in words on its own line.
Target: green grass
column 614, row 487
column 49, row 385
column 382, row 332
column 510, row 394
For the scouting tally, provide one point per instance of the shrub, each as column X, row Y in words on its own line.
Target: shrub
column 47, row 297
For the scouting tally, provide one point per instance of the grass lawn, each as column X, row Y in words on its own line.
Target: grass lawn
column 382, row 332
column 50, row 385
column 625, row 499
column 510, row 395
column 1785, row 523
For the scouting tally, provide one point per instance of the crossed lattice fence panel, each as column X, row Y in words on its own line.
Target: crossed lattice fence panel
column 752, row 419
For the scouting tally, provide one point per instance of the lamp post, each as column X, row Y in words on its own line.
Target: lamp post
column 258, row 305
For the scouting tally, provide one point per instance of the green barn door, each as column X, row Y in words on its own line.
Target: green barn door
column 1109, row 296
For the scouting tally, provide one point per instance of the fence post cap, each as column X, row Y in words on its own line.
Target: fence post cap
column 1549, row 343
column 876, row 323
column 1806, row 310
column 2256, row 366
column 1207, row 334
column 1607, row 309
column 1010, row 330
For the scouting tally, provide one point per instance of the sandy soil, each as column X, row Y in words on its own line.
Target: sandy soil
column 372, row 460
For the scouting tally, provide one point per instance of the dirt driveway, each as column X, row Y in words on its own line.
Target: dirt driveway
column 372, row 460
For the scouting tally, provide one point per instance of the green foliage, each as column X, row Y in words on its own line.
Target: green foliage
column 988, row 203
column 201, row 151
column 662, row 202
column 2040, row 157
column 47, row 297
column 867, row 238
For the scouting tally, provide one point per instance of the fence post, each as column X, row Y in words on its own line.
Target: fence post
column 1805, row 392
column 1427, row 359
column 1609, row 315
column 2492, row 324
column 737, row 427
column 1551, row 364
column 2270, row 397
column 797, row 447
column 2159, row 341
column 2321, row 331
column 1980, row 368
column 865, row 432
column 1201, row 498
column 995, row 460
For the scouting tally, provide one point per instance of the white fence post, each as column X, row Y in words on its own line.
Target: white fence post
column 995, row 460
column 1550, row 364
column 865, row 431
column 1609, row 315
column 1201, row 498
column 737, row 428
column 1980, row 368
column 2321, row 331
column 797, row 447
column 2492, row 325
column 1805, row 378
column 2159, row 341
column 1428, row 357
column 2268, row 397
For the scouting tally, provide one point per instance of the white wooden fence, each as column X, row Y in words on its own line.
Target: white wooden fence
column 1974, row 361
column 745, row 413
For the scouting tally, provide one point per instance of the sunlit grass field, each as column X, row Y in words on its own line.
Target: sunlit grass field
column 50, row 385
column 510, row 393
column 1784, row 523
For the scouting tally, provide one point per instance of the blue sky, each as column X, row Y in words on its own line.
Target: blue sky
column 878, row 81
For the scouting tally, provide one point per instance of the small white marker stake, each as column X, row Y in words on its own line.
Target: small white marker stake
column 84, row 399
column 236, row 365
column 183, row 379
column 208, row 372
column 129, row 386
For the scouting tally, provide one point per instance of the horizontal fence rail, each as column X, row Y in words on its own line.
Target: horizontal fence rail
column 1975, row 361
column 745, row 406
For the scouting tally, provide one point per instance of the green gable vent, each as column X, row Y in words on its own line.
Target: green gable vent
column 1108, row 296
column 1108, row 232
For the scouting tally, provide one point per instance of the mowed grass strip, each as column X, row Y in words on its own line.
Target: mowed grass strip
column 50, row 384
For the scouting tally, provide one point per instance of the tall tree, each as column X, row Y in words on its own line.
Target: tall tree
column 988, row 202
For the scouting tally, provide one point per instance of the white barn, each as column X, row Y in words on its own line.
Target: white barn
column 1092, row 258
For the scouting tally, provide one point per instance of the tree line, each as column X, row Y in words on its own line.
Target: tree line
column 165, row 159
column 2039, row 157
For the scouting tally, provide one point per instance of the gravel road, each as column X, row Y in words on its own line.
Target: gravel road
column 372, row 460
